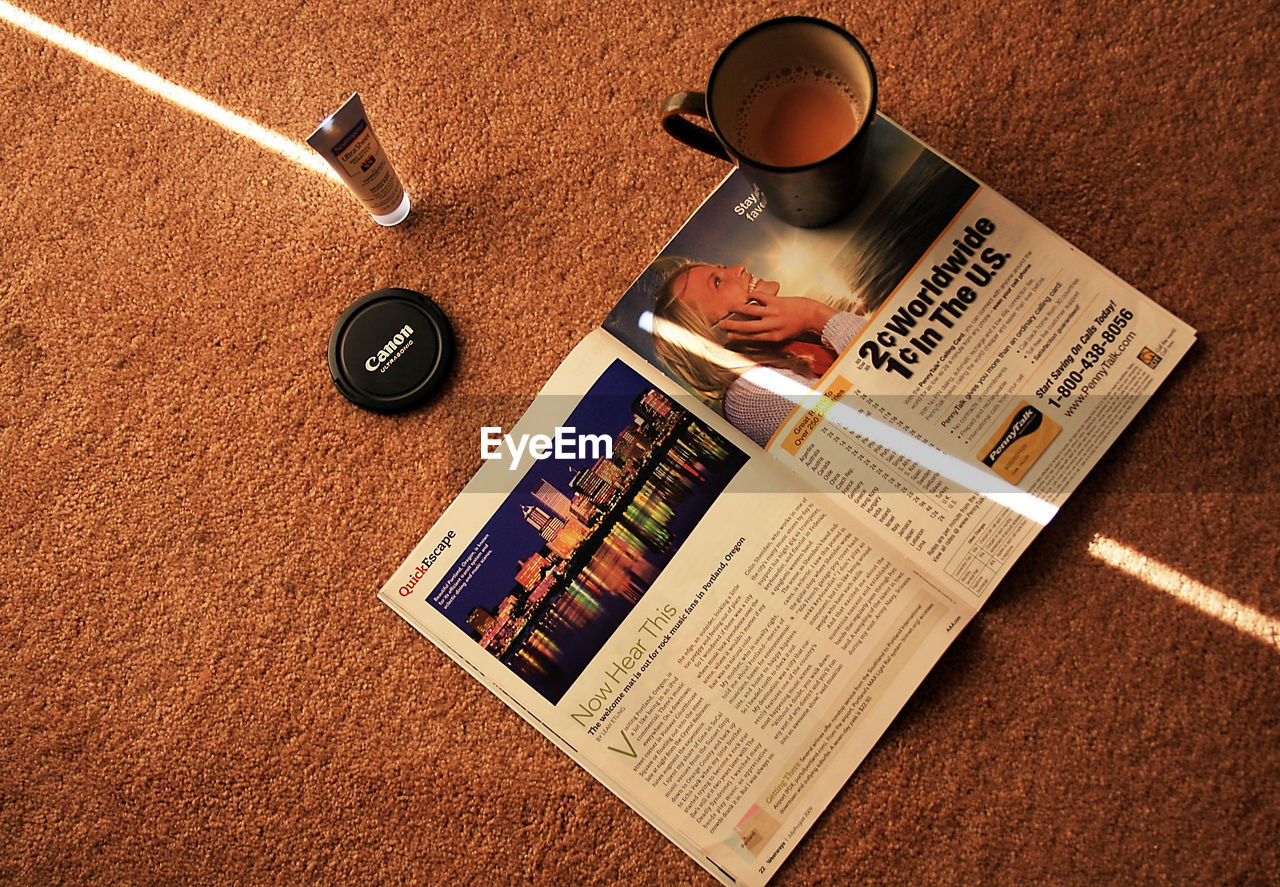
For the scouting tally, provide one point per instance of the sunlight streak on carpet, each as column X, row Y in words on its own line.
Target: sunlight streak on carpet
column 181, row 96
column 1207, row 600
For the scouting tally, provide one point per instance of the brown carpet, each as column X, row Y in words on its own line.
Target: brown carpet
column 199, row 684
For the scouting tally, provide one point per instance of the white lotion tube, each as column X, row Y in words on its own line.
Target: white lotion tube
column 346, row 140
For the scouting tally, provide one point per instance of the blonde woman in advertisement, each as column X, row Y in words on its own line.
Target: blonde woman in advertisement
column 752, row 353
column 746, row 350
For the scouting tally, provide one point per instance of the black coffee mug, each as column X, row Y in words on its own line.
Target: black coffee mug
column 791, row 103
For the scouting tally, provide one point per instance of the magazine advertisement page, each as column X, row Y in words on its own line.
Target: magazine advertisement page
column 945, row 363
column 707, row 633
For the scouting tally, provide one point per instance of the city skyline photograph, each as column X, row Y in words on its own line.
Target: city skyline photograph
column 577, row 543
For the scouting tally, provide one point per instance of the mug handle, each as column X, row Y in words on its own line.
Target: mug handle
column 674, row 109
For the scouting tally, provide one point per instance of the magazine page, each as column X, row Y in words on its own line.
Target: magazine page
column 945, row 363
column 713, row 637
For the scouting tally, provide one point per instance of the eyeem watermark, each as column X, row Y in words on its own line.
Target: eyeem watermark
column 564, row 444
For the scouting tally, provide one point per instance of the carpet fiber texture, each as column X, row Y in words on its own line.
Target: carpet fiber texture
column 199, row 684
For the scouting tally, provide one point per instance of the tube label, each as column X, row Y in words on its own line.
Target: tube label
column 358, row 157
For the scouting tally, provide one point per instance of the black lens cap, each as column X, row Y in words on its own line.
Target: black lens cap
column 390, row 350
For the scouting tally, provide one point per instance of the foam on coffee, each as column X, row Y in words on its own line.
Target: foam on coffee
column 796, row 116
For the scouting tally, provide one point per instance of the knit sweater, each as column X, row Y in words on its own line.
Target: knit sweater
column 761, row 399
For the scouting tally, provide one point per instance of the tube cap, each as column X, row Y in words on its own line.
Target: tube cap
column 390, row 350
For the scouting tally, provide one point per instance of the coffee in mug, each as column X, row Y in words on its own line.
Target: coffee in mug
column 791, row 103
column 795, row 117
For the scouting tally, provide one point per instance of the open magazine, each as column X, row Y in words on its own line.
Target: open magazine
column 713, row 569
